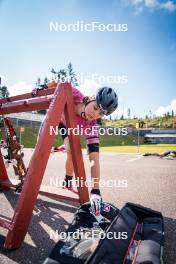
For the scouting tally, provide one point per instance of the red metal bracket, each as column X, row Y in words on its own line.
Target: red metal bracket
column 62, row 100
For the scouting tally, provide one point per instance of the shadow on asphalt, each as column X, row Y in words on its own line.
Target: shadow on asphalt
column 46, row 215
column 49, row 214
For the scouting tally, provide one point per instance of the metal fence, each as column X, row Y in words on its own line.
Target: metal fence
column 32, row 120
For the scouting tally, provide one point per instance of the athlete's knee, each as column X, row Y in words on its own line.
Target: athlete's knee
column 69, row 157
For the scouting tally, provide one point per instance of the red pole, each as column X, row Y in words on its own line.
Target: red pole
column 75, row 146
column 25, row 105
column 3, row 172
column 25, row 205
column 26, row 202
column 27, row 95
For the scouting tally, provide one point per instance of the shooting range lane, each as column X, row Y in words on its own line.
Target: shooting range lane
column 151, row 182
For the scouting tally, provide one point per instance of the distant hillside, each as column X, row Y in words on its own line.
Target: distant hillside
column 157, row 122
column 29, row 138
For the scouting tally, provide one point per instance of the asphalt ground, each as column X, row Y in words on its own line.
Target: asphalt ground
column 150, row 181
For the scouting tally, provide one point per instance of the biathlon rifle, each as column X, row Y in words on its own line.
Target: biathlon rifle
column 14, row 152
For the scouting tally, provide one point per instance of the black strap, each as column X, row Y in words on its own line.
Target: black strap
column 82, row 114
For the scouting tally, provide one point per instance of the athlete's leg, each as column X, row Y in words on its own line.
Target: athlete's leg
column 68, row 166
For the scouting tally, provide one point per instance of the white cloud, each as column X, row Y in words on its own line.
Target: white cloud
column 19, row 88
column 169, row 5
column 164, row 109
column 151, row 3
column 121, row 111
column 2, row 77
column 118, row 113
column 139, row 5
column 89, row 87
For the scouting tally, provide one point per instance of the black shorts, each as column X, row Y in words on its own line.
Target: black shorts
column 63, row 131
column 90, row 147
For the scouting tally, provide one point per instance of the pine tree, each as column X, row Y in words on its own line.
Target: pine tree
column 72, row 75
column 62, row 75
column 4, row 92
column 54, row 74
column 45, row 80
column 129, row 113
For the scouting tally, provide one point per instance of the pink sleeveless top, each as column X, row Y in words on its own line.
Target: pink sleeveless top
column 89, row 129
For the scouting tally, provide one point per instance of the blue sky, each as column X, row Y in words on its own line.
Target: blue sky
column 145, row 53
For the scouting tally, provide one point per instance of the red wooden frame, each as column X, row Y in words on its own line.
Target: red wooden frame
column 60, row 100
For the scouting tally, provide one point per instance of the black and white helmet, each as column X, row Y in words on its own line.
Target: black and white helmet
column 107, row 100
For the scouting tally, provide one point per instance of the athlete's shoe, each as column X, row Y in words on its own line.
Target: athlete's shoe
column 68, row 182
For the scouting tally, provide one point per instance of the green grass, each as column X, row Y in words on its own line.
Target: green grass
column 29, row 137
column 126, row 144
column 159, row 148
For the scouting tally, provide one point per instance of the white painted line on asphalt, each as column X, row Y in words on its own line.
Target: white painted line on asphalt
column 109, row 154
column 131, row 160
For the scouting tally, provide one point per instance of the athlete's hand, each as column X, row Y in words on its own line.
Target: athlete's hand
column 95, row 201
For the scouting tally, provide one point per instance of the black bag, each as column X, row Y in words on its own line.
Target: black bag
column 133, row 235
